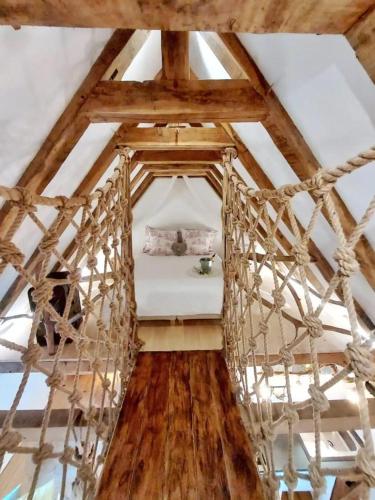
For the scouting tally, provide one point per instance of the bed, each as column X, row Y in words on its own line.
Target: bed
column 169, row 287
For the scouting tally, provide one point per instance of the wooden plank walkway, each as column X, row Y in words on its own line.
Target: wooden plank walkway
column 180, row 435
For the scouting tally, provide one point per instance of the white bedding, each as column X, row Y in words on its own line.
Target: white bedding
column 169, row 286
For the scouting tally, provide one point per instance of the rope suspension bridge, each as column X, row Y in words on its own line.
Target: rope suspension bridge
column 100, row 270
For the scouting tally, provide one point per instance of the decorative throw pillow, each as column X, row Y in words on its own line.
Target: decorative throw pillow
column 150, row 232
column 160, row 246
column 199, row 241
column 179, row 246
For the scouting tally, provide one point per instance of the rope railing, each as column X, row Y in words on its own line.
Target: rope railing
column 258, row 325
column 102, row 331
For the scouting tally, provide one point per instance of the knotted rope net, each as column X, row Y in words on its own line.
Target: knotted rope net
column 100, row 336
column 264, row 334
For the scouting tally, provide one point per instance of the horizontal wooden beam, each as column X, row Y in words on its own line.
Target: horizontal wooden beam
column 267, row 16
column 175, row 101
column 177, row 156
column 176, row 138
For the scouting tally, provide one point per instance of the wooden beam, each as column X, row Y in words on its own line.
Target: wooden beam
column 142, row 188
column 66, row 132
column 291, row 16
column 121, row 63
column 176, row 138
column 216, row 186
column 175, row 55
column 177, row 156
column 179, row 173
column 361, row 36
column 296, row 151
column 324, row 358
column 179, row 167
column 172, row 101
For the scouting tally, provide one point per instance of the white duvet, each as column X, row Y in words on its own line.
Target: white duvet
column 169, row 286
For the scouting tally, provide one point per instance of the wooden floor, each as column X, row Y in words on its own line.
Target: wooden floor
column 179, row 434
column 197, row 335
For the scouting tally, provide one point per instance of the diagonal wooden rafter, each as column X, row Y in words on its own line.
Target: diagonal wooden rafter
column 361, row 36
column 68, row 129
column 292, row 145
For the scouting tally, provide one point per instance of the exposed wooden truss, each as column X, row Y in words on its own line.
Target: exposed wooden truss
column 175, row 138
column 292, row 145
column 174, row 101
column 269, row 16
column 362, row 38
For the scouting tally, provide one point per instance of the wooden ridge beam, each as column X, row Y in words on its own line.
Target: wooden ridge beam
column 177, row 156
column 172, row 101
column 361, row 37
column 295, row 150
column 176, row 138
column 292, row 16
column 175, row 55
column 67, row 130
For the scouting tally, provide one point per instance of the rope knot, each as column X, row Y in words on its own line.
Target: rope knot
column 44, row 452
column 278, row 299
column 257, row 280
column 287, row 356
column 32, row 355
column 75, row 276
column 267, row 370
column 42, row 293
column 85, row 473
column 9, row 440
column 67, row 455
column 103, row 288
column 270, row 246
column 314, row 325
column 48, row 243
column 301, row 254
column 272, row 484
column 91, row 262
column 318, row 398
column 75, row 397
column 291, row 414
column 55, row 379
column 267, row 432
column 26, row 201
column 102, row 430
column 360, row 361
column 347, row 261
column 290, row 477
column 317, row 481
column 366, row 464
column 96, row 364
column 320, row 184
column 263, row 328
column 9, row 253
column 91, row 415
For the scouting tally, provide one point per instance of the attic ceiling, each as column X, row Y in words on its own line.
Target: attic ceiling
column 320, row 104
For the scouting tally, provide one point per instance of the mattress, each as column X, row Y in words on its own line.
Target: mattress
column 170, row 286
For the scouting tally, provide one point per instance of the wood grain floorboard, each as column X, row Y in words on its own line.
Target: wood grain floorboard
column 179, row 434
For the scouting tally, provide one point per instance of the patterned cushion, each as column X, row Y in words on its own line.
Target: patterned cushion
column 199, row 241
column 161, row 246
column 168, row 234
